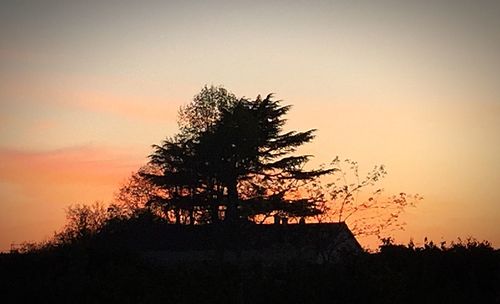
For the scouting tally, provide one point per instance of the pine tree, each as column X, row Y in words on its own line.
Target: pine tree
column 239, row 160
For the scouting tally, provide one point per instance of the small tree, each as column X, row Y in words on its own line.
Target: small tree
column 136, row 194
column 359, row 201
column 82, row 221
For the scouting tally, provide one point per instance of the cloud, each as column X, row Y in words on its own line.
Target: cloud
column 80, row 164
column 65, row 93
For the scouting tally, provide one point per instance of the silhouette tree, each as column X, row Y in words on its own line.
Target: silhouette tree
column 185, row 190
column 238, row 162
column 205, row 110
column 83, row 221
column 135, row 194
column 360, row 201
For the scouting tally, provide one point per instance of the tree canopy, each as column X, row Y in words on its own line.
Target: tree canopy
column 232, row 160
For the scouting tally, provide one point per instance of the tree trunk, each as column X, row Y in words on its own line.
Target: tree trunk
column 232, row 212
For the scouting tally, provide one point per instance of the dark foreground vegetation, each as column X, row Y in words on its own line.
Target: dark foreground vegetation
column 89, row 271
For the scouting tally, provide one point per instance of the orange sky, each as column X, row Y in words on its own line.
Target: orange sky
column 85, row 89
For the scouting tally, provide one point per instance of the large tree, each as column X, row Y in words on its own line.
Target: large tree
column 238, row 160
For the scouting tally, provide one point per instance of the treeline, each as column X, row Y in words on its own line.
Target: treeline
column 96, row 272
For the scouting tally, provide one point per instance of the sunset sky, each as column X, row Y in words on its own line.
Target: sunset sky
column 86, row 88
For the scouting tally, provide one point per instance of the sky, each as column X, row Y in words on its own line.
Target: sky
column 87, row 87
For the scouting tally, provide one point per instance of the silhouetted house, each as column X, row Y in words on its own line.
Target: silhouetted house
column 251, row 242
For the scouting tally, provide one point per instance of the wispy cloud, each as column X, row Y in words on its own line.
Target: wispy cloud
column 136, row 106
column 80, row 164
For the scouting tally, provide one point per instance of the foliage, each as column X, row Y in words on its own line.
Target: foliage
column 360, row 201
column 82, row 221
column 469, row 244
column 205, row 110
column 136, row 194
column 233, row 161
column 86, row 224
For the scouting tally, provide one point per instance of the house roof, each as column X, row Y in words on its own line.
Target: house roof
column 244, row 237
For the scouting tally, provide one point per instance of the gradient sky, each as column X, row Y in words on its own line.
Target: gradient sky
column 87, row 87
